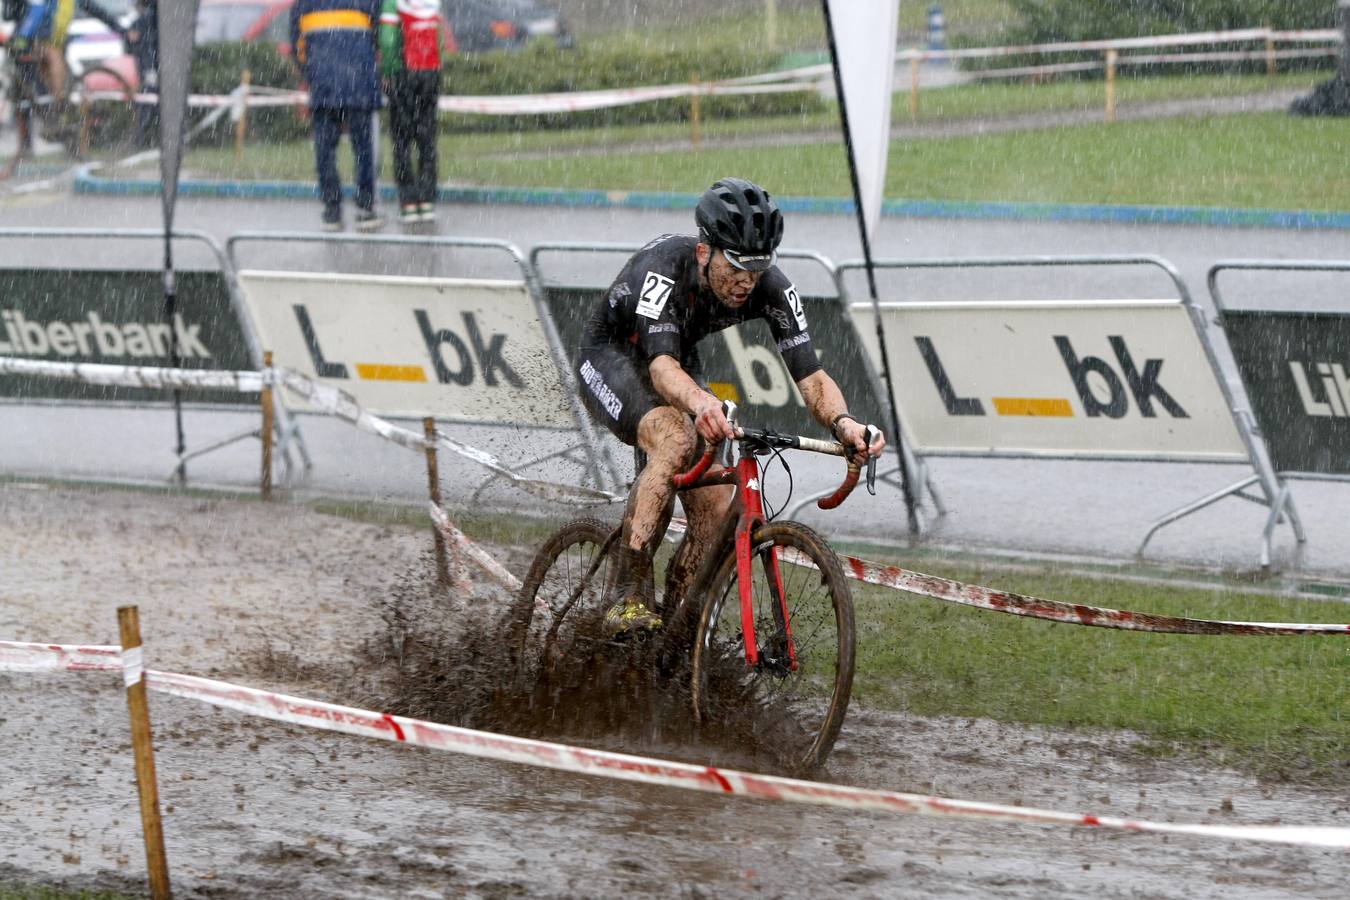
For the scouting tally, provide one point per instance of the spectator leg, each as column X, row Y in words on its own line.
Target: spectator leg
column 358, row 129
column 401, row 131
column 428, row 92
column 327, row 130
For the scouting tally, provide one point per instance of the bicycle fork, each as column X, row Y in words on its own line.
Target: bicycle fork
column 750, row 519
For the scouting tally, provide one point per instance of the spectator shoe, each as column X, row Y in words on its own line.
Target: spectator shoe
column 368, row 220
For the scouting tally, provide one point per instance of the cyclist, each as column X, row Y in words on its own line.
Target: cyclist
column 40, row 32
column 641, row 376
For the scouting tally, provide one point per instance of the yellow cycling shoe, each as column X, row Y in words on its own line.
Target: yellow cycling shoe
column 630, row 617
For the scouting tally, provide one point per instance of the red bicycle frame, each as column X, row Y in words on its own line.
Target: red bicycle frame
column 748, row 509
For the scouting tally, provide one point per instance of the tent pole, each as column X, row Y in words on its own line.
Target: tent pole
column 906, row 479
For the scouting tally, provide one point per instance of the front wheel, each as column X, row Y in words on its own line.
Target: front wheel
column 800, row 685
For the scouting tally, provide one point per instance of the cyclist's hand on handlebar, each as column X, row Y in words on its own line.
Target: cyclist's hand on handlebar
column 711, row 422
column 854, row 434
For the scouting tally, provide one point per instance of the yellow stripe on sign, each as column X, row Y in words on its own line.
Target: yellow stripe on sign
column 334, row 19
column 1033, row 406
column 385, row 372
column 723, row 390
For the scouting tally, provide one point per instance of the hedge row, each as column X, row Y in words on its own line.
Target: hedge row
column 541, row 68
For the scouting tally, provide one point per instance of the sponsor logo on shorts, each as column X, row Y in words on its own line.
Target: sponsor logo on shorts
column 655, row 292
column 663, row 327
column 596, row 382
column 795, row 341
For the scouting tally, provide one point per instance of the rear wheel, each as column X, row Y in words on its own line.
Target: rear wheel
column 561, row 604
column 107, row 113
column 801, row 684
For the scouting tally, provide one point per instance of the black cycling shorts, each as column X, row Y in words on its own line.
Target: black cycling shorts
column 615, row 391
column 618, row 391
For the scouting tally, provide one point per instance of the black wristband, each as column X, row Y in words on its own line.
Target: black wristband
column 834, row 425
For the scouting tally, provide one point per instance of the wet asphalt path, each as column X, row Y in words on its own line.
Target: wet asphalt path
column 1092, row 509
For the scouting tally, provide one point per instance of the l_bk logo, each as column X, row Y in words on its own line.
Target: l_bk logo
column 484, row 357
column 1143, row 384
column 1335, row 388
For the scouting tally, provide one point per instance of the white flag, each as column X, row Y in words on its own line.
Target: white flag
column 864, row 37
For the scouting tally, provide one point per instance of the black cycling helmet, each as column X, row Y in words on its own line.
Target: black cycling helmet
column 741, row 219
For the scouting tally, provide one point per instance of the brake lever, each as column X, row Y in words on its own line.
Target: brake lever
column 725, row 452
column 870, row 436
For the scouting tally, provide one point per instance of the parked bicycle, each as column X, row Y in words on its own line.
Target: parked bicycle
column 766, row 619
column 98, row 116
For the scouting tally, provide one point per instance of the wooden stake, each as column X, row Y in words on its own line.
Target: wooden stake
column 1270, row 55
column 268, row 423
column 434, row 488
column 914, row 89
column 1111, row 56
column 241, row 126
column 695, row 123
column 129, row 621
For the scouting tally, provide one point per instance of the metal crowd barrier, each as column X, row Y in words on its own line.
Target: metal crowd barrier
column 1250, row 441
column 1296, row 448
column 598, row 466
column 285, row 423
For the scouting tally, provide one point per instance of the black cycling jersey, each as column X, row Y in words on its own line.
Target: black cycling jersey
column 656, row 307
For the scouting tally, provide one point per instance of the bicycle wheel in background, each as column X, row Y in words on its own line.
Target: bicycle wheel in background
column 796, row 711
column 107, row 114
column 561, row 602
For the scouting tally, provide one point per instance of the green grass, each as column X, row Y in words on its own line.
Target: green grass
column 1254, row 161
column 1267, row 160
column 991, row 99
column 1275, row 706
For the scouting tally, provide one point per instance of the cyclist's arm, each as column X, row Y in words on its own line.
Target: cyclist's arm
column 91, row 8
column 826, row 402
column 682, row 392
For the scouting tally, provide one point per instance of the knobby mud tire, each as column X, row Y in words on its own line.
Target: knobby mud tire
column 808, row 704
column 107, row 127
column 538, row 635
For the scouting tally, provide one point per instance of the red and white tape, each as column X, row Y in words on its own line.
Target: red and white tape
column 623, row 767
column 324, row 396
column 1058, row 611
column 495, row 570
column 134, row 376
column 939, row 588
column 17, row 656
column 805, row 78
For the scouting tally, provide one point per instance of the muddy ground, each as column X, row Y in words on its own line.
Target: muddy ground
column 286, row 598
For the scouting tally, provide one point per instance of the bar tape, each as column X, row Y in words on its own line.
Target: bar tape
column 495, row 570
column 623, row 767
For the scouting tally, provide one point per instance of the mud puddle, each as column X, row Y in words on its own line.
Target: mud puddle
column 282, row 597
